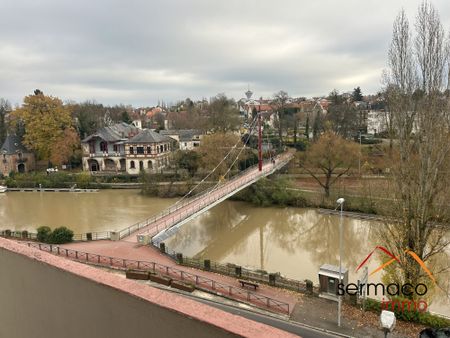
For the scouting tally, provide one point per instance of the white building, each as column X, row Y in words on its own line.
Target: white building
column 188, row 139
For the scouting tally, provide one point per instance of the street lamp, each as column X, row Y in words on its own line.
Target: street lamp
column 340, row 201
column 359, row 157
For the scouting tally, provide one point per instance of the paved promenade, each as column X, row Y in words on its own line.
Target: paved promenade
column 133, row 251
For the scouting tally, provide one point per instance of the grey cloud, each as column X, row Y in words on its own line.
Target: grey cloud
column 136, row 52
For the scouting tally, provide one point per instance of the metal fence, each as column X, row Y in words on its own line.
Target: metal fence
column 89, row 236
column 199, row 281
column 233, row 270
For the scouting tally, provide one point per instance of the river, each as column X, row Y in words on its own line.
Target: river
column 292, row 241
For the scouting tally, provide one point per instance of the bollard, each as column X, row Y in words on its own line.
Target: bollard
column 238, row 271
column 162, row 247
column 272, row 277
column 180, row 258
column 207, row 264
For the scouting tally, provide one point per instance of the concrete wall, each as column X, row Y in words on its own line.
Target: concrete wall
column 42, row 295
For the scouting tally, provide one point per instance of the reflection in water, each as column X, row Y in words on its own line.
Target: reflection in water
column 81, row 212
column 268, row 238
column 292, row 241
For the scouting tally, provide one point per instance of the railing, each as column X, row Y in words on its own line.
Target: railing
column 199, row 281
column 90, row 236
column 232, row 270
column 18, row 234
column 211, row 192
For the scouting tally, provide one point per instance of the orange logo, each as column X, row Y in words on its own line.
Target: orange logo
column 393, row 259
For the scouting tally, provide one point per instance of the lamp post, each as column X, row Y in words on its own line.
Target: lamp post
column 359, row 157
column 340, row 201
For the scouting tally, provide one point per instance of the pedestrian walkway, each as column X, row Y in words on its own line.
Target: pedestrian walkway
column 311, row 311
column 134, row 251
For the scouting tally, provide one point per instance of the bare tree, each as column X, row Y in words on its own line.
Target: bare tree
column 329, row 158
column 280, row 101
column 420, row 118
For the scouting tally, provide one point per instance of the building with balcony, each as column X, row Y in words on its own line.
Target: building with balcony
column 15, row 157
column 148, row 151
column 125, row 148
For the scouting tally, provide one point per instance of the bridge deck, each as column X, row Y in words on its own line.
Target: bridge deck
column 178, row 214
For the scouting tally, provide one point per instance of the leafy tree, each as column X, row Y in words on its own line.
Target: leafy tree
column 126, row 117
column 189, row 160
column 47, row 123
column 357, row 94
column 89, row 117
column 4, row 107
column 343, row 118
column 223, row 114
column 215, row 147
column 331, row 156
column 65, row 147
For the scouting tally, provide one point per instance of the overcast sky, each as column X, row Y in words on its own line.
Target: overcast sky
column 136, row 52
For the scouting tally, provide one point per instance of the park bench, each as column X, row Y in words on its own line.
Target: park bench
column 247, row 283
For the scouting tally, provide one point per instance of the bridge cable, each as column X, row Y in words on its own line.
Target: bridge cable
column 217, row 166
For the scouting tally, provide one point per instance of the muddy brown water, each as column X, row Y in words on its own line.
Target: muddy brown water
column 292, row 241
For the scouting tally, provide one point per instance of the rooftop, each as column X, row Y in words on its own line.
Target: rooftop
column 116, row 132
column 12, row 145
column 149, row 136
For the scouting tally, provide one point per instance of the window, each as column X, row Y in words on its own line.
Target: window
column 140, row 150
column 149, row 150
column 161, row 149
column 103, row 146
column 116, row 148
column 131, row 150
column 132, row 165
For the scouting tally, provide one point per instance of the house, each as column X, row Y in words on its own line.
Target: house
column 187, row 139
column 125, row 148
column 147, row 151
column 105, row 149
column 15, row 157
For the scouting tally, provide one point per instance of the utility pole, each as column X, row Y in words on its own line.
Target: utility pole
column 260, row 162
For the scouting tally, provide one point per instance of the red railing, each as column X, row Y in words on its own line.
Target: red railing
column 199, row 281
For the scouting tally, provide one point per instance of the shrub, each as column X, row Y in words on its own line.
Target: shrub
column 60, row 235
column 8, row 233
column 43, row 234
column 24, row 234
column 424, row 318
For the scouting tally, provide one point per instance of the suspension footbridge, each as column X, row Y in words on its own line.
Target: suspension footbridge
column 159, row 227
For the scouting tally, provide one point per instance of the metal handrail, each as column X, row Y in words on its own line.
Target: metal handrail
column 134, row 227
column 167, row 270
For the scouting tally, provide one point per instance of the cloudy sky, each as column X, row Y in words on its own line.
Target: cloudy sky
column 139, row 52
